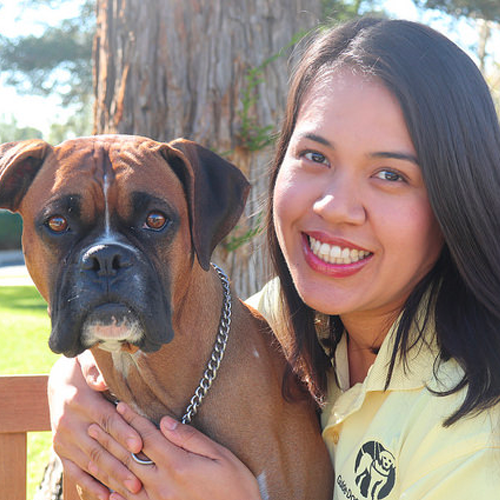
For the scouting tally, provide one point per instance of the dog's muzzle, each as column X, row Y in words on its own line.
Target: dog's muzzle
column 116, row 299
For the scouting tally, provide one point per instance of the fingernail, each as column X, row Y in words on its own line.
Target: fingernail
column 120, row 408
column 170, row 423
column 131, row 485
column 92, row 431
column 132, row 445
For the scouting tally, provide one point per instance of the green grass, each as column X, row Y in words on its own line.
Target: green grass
column 24, row 331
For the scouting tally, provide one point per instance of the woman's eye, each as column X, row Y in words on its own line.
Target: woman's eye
column 57, row 224
column 156, row 221
column 315, row 157
column 390, row 175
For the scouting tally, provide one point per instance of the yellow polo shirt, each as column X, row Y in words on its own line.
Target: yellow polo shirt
column 391, row 444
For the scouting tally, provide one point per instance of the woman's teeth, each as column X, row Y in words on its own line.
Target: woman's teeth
column 334, row 254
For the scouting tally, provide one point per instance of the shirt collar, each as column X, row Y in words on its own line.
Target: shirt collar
column 414, row 373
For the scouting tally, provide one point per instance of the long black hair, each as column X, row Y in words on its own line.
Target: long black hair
column 454, row 127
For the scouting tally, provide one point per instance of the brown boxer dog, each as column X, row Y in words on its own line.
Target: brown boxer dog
column 118, row 235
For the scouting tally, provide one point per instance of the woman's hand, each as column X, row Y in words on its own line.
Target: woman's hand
column 187, row 464
column 75, row 403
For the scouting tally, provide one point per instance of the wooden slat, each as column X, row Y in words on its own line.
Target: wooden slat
column 24, row 406
column 13, row 466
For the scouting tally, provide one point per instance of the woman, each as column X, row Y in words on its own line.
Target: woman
column 384, row 232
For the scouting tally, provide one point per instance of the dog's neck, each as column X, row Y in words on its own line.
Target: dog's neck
column 162, row 383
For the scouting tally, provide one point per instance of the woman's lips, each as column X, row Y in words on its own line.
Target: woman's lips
column 333, row 259
column 336, row 254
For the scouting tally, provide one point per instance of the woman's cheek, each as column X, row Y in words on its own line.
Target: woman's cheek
column 290, row 209
column 284, row 200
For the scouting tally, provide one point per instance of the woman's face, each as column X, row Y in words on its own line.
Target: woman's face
column 350, row 206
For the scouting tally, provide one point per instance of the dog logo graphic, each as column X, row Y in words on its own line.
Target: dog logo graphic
column 375, row 471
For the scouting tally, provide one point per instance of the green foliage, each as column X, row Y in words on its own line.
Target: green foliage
column 57, row 62
column 10, row 131
column 60, row 60
column 10, row 231
column 252, row 136
column 479, row 9
column 233, row 242
column 79, row 124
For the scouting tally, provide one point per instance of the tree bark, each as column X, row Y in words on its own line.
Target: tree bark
column 167, row 69
column 51, row 486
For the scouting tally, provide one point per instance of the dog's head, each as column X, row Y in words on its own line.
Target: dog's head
column 386, row 461
column 110, row 224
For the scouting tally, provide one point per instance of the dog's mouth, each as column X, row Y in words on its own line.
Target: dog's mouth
column 134, row 315
column 113, row 327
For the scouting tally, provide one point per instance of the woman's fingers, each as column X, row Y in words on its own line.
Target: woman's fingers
column 92, row 487
column 109, row 420
column 74, row 406
column 187, row 464
column 190, row 439
column 155, row 446
column 69, row 409
column 103, row 465
column 184, row 437
column 89, row 450
column 116, row 496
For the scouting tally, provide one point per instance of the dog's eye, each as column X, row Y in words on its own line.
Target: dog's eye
column 156, row 221
column 57, row 224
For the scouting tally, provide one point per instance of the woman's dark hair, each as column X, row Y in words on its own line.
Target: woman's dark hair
column 452, row 122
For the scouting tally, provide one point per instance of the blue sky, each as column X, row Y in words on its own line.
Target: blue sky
column 39, row 112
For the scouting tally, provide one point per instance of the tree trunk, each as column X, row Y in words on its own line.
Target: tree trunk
column 51, row 486
column 211, row 71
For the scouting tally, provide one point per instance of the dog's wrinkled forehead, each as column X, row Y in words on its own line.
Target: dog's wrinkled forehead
column 93, row 172
column 103, row 157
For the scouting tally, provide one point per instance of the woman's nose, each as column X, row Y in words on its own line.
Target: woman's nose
column 341, row 205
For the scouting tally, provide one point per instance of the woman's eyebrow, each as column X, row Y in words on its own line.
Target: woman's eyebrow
column 317, row 138
column 395, row 155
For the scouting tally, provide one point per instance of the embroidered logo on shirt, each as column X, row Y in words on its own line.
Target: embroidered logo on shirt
column 375, row 471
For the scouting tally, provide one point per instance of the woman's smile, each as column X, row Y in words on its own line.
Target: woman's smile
column 337, row 259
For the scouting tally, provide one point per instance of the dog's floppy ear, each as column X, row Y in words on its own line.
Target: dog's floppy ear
column 216, row 192
column 19, row 164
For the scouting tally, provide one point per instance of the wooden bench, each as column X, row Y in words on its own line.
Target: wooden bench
column 23, row 408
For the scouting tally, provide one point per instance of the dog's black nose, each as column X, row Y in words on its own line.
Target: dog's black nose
column 106, row 259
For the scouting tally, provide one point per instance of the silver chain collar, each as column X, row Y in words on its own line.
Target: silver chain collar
column 214, row 362
column 217, row 352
